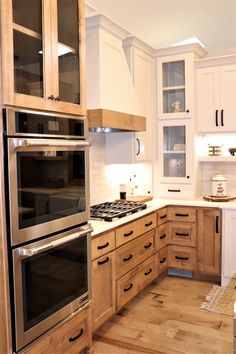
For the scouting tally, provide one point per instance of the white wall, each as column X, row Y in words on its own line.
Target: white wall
column 105, row 179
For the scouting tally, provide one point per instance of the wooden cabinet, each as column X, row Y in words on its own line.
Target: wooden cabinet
column 162, row 236
column 70, row 337
column 133, row 229
column 134, row 281
column 134, row 252
column 228, row 246
column 209, row 241
column 162, row 260
column 182, row 237
column 216, row 96
column 182, row 257
column 43, row 55
column 103, row 279
column 162, row 216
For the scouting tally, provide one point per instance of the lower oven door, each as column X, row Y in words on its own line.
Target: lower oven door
column 51, row 281
column 48, row 186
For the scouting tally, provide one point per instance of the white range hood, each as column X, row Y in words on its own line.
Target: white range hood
column 111, row 99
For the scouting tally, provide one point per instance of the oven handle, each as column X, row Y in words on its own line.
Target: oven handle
column 18, row 143
column 29, row 252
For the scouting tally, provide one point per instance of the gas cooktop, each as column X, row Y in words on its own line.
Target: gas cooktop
column 111, row 211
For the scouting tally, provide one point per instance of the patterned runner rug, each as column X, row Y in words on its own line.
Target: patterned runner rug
column 220, row 300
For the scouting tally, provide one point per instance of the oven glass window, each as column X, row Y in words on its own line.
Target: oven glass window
column 51, row 185
column 53, row 279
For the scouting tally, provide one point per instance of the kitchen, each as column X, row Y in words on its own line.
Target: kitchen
column 105, row 179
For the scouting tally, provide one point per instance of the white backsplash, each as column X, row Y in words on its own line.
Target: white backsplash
column 105, row 179
column 209, row 169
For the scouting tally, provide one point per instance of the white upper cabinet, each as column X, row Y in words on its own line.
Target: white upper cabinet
column 175, row 86
column 216, row 98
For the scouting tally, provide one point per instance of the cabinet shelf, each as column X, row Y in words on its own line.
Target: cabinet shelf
column 176, row 152
column 217, row 158
column 26, row 31
column 173, row 88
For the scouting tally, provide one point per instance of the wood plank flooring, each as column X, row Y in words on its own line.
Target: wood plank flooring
column 165, row 318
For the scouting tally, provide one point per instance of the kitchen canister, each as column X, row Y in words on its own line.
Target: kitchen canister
column 218, row 186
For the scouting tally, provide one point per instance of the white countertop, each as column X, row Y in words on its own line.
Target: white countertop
column 153, row 205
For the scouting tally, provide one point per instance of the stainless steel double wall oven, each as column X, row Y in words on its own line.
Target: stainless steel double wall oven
column 47, row 198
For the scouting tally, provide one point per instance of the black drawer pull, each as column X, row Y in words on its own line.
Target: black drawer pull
column 163, row 260
column 180, row 234
column 148, row 224
column 222, row 117
column 127, row 258
column 72, row 339
column 216, row 116
column 217, row 224
column 163, row 216
column 148, row 272
column 129, row 233
column 181, row 258
column 162, row 236
column 148, row 245
column 184, row 215
column 128, row 288
column 103, row 246
column 103, row 262
column 174, row 190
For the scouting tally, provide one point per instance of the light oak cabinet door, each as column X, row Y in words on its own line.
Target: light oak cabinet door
column 162, row 260
column 209, row 241
column 216, row 96
column 183, row 234
column 43, row 55
column 103, row 289
column 181, row 257
column 228, row 247
column 162, row 236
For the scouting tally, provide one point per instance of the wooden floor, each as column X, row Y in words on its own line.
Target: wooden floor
column 166, row 318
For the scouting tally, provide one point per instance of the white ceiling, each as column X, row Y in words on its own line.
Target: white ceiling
column 162, row 23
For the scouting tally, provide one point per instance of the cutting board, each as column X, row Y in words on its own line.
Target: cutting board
column 218, row 199
column 140, row 198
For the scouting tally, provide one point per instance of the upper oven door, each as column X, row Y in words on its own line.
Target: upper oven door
column 48, row 186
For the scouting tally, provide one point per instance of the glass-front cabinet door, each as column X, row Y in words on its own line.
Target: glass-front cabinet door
column 175, row 152
column 174, row 87
column 43, row 54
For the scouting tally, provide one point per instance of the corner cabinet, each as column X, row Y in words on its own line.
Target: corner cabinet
column 175, row 86
column 43, row 55
column 216, row 96
column 175, row 158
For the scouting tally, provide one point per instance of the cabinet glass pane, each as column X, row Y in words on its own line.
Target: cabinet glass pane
column 173, row 101
column 174, row 151
column 68, row 61
column 173, row 73
column 28, row 13
column 28, row 64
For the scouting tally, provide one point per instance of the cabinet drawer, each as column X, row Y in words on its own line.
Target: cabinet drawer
column 162, row 236
column 182, row 257
column 162, row 260
column 184, row 214
column 130, row 231
column 134, row 252
column 71, row 337
column 183, row 234
column 103, row 244
column 130, row 284
column 176, row 190
column 162, row 216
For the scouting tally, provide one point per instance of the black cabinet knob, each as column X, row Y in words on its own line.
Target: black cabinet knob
column 51, row 97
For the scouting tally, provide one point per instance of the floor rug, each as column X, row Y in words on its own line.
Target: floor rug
column 220, row 300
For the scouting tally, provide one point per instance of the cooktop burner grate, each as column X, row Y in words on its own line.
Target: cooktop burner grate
column 110, row 211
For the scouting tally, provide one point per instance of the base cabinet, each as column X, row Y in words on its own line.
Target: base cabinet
column 70, row 338
column 103, row 279
column 209, row 241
